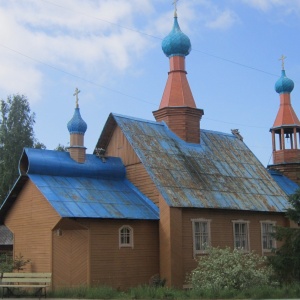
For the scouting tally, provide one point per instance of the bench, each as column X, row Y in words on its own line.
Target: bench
column 37, row 281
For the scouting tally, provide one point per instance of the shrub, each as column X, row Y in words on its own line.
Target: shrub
column 286, row 261
column 6, row 263
column 226, row 269
column 20, row 262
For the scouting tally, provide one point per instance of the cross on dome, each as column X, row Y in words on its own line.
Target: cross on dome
column 175, row 7
column 282, row 58
column 77, row 91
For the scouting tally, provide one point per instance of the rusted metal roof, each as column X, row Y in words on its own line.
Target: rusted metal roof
column 95, row 189
column 220, row 172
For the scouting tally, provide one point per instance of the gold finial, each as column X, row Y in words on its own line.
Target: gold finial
column 76, row 94
column 175, row 7
column 282, row 58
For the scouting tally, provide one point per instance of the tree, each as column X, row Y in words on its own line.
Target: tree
column 286, row 260
column 38, row 145
column 16, row 132
column 61, row 147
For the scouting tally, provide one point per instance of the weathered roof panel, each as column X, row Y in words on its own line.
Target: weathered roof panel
column 220, row 172
column 6, row 236
column 78, row 197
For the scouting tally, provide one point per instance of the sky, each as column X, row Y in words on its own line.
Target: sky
column 111, row 51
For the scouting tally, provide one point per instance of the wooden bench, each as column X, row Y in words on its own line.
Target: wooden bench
column 37, row 281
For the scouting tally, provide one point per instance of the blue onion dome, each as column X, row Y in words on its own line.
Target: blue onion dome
column 77, row 124
column 176, row 43
column 284, row 84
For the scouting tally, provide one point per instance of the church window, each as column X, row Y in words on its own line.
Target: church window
column 125, row 237
column 267, row 238
column 241, row 235
column 201, row 235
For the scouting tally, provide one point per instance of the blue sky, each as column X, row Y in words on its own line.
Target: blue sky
column 111, row 51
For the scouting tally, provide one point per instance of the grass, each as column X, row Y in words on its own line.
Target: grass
column 146, row 292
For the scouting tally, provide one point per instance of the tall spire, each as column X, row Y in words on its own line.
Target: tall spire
column 285, row 130
column 77, row 128
column 177, row 107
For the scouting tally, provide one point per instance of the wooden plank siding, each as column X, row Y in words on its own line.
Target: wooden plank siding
column 120, row 147
column 138, row 175
column 122, row 267
column 31, row 220
column 135, row 171
column 222, row 230
column 170, row 233
column 70, row 258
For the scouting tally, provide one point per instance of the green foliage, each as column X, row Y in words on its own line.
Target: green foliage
column 286, row 261
column 38, row 145
column 16, row 132
column 156, row 281
column 6, row 263
column 230, row 269
column 293, row 213
column 147, row 292
column 20, row 262
column 84, row 292
column 61, row 147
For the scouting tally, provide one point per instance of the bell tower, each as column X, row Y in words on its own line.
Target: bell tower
column 286, row 131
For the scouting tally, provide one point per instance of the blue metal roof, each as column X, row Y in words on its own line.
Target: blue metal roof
column 176, row 43
column 59, row 163
column 220, row 172
column 95, row 189
column 284, row 84
column 77, row 124
column 285, row 183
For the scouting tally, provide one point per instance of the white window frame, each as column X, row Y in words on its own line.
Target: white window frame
column 268, row 235
column 237, row 239
column 126, row 238
column 203, row 248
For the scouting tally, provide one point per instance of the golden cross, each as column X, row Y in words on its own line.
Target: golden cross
column 76, row 94
column 282, row 58
column 175, row 7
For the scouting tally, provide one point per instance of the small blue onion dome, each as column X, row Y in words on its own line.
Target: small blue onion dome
column 77, row 124
column 284, row 84
column 176, row 43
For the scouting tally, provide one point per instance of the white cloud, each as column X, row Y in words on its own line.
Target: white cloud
column 69, row 35
column 286, row 6
column 19, row 77
column 88, row 38
column 223, row 20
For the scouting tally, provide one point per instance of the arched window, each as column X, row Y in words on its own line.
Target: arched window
column 125, row 236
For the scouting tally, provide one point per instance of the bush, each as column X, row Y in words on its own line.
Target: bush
column 6, row 263
column 286, row 261
column 226, row 269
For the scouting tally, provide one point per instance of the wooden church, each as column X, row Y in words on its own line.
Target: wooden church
column 155, row 193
